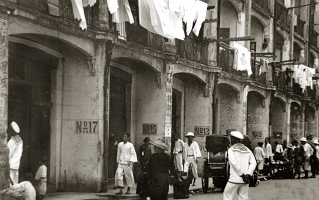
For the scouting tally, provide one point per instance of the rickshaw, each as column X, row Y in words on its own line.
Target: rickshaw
column 216, row 163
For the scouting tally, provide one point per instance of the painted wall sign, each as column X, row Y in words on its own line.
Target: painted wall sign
column 149, row 129
column 256, row 134
column 87, row 126
column 201, row 130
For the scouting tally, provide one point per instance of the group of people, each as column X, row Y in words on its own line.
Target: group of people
column 10, row 156
column 158, row 168
column 301, row 156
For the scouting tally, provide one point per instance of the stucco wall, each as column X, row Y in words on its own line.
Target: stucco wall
column 197, row 113
column 278, row 120
column 81, row 100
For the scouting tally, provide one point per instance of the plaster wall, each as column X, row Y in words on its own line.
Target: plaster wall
column 278, row 120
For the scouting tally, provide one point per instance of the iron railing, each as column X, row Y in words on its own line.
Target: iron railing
column 282, row 14
column 313, row 37
column 263, row 4
column 193, row 49
column 300, row 27
column 226, row 59
column 280, row 80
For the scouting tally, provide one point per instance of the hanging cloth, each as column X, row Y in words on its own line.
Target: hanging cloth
column 264, row 65
column 201, row 9
column 190, row 13
column 123, row 13
column 156, row 17
column 242, row 58
column 88, row 3
column 78, row 12
column 112, row 5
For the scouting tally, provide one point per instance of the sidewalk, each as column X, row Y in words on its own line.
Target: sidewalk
column 111, row 194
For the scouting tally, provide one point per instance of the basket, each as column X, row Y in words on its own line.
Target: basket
column 14, row 192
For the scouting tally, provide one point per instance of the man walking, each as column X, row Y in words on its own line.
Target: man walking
column 15, row 145
column 126, row 155
column 178, row 153
column 191, row 154
column 308, row 151
column 242, row 165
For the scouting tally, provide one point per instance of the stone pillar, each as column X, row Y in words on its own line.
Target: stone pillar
column 245, row 95
column 288, row 108
column 4, row 44
column 303, row 117
column 210, row 32
column 247, row 20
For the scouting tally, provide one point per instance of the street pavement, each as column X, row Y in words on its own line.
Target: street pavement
column 277, row 189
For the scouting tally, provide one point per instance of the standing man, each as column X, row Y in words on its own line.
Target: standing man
column 126, row 155
column 178, row 153
column 308, row 151
column 268, row 156
column 242, row 165
column 191, row 154
column 15, row 145
column 259, row 155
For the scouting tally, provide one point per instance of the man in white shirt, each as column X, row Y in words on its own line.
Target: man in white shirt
column 126, row 155
column 178, row 153
column 242, row 164
column 308, row 151
column 191, row 154
column 15, row 145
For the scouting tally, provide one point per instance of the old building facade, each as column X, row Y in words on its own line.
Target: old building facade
column 74, row 92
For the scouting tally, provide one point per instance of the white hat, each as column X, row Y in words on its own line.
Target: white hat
column 315, row 141
column 237, row 134
column 303, row 139
column 190, row 134
column 15, row 127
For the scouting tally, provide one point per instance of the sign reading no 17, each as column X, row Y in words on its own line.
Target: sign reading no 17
column 87, row 126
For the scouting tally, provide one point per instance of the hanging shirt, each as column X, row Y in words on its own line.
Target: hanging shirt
column 112, row 5
column 263, row 66
column 78, row 12
column 201, row 9
column 126, row 153
column 242, row 58
column 88, row 3
column 123, row 13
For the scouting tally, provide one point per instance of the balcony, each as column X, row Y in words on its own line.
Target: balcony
column 299, row 29
column 226, row 59
column 193, row 49
column 282, row 14
column 262, row 4
column 255, row 67
column 66, row 11
column 280, row 80
column 313, row 37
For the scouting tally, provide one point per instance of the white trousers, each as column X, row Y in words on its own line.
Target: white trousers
column 191, row 159
column 178, row 161
column 14, row 174
column 231, row 189
column 124, row 170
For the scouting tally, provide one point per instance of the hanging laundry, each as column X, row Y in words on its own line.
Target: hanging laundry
column 242, row 58
column 303, row 76
column 190, row 13
column 123, row 13
column 88, row 3
column 156, row 17
column 201, row 9
column 78, row 12
column 263, row 65
column 175, row 5
column 112, row 5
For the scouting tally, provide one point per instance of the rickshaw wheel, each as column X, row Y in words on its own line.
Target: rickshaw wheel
column 205, row 184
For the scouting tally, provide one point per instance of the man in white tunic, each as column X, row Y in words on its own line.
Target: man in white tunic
column 126, row 155
column 15, row 145
column 308, row 152
column 178, row 153
column 191, row 154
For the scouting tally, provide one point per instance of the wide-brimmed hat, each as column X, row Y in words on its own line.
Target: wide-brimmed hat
column 315, row 141
column 303, row 139
column 160, row 144
column 190, row 134
column 237, row 134
column 15, row 127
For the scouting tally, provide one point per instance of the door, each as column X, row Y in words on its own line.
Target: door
column 176, row 115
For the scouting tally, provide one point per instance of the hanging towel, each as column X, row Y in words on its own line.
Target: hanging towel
column 78, row 12
column 190, row 13
column 123, row 13
column 201, row 9
column 264, row 65
column 112, row 5
column 88, row 3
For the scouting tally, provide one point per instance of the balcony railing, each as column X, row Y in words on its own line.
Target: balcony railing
column 226, row 60
column 193, row 49
column 282, row 14
column 280, row 80
column 263, row 4
column 66, row 10
column 300, row 27
column 313, row 37
column 311, row 93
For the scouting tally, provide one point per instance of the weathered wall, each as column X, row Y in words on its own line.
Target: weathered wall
column 278, row 121
column 295, row 121
column 309, row 120
column 257, row 118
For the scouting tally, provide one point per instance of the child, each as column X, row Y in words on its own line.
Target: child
column 41, row 176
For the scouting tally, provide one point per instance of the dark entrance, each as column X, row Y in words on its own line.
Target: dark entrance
column 176, row 115
column 120, row 98
column 29, row 104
